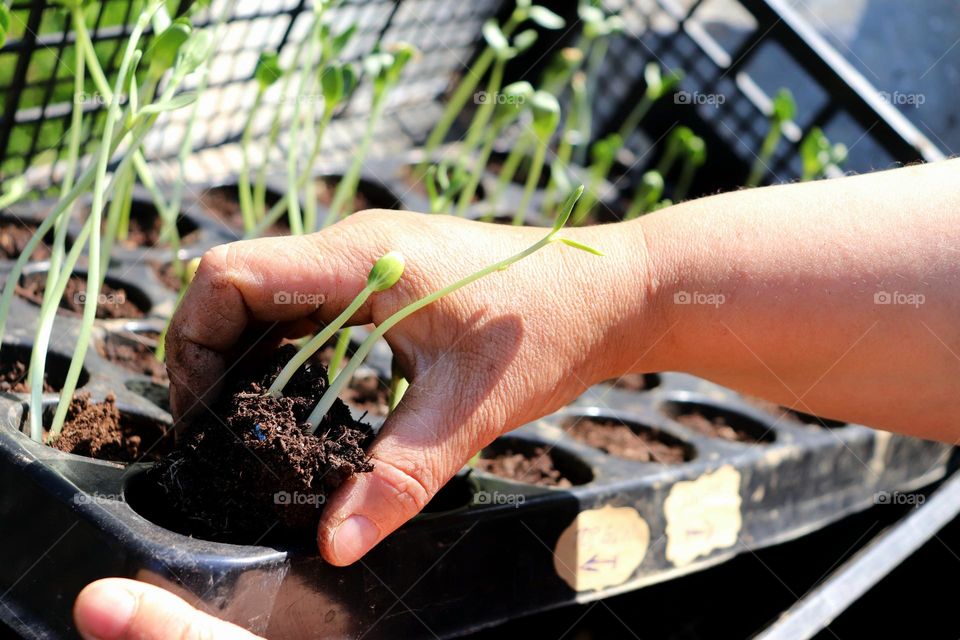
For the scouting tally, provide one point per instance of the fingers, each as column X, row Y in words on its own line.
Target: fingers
column 424, row 443
column 272, row 280
column 117, row 609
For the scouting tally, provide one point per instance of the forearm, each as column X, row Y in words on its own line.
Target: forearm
column 839, row 297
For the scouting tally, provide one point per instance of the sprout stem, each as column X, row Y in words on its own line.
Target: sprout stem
column 533, row 178
column 330, row 396
column 94, row 278
column 339, row 354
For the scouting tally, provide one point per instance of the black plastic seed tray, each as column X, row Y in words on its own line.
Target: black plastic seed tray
column 486, row 550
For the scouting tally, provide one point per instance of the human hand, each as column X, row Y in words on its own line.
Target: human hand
column 120, row 609
column 499, row 353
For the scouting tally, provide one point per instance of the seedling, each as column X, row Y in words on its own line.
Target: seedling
column 819, row 156
column 694, row 155
column 604, row 152
column 442, row 187
column 337, row 82
column 330, row 396
column 674, row 145
column 523, row 11
column 784, row 109
column 570, row 137
column 129, row 128
column 566, row 63
column 647, row 195
column 658, row 86
column 546, row 119
column 385, row 273
column 384, row 70
column 516, row 98
column 12, row 191
column 598, row 29
column 266, row 73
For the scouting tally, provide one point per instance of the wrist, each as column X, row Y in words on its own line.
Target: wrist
column 629, row 322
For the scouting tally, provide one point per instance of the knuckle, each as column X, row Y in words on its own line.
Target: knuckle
column 409, row 481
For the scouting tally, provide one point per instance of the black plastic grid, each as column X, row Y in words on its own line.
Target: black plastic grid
column 736, row 55
column 36, row 83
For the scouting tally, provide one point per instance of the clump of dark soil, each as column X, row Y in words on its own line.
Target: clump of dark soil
column 145, row 228
column 537, row 467
column 114, row 302
column 792, row 415
column 366, row 393
column 134, row 352
column 13, row 377
column 715, row 426
column 636, row 381
column 252, row 464
column 14, row 236
column 618, row 439
column 98, row 430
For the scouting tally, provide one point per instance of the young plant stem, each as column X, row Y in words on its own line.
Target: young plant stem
column 398, row 385
column 85, row 48
column 384, row 274
column 347, row 187
column 244, row 191
column 183, row 155
column 463, row 93
column 94, row 277
column 476, row 173
column 280, row 208
column 331, row 394
column 63, row 205
column 48, row 312
column 260, row 183
column 533, row 179
column 767, row 149
column 510, row 167
column 482, row 117
column 339, row 353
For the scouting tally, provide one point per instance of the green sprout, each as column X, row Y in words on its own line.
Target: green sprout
column 442, row 187
column 819, row 156
column 129, row 129
column 523, row 11
column 598, row 30
column 571, row 135
column 604, row 153
column 384, row 69
column 658, row 86
column 165, row 47
column 398, row 385
column 337, row 82
column 383, row 275
column 515, row 99
column 266, row 73
column 494, row 98
column 546, row 119
column 12, row 191
column 694, row 155
column 676, row 141
column 647, row 195
column 330, row 396
column 784, row 109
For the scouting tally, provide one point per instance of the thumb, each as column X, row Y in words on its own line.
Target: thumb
column 117, row 609
column 423, row 444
